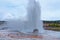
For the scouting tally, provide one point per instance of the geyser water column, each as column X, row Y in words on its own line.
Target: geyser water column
column 34, row 16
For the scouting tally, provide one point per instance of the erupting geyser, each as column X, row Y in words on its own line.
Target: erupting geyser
column 34, row 15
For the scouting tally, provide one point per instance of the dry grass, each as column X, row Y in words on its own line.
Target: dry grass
column 53, row 28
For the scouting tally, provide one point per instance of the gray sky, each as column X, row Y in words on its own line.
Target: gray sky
column 50, row 9
column 10, row 9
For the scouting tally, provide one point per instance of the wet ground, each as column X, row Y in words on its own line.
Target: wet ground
column 49, row 35
column 44, row 38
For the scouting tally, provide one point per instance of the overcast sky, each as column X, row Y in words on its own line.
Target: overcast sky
column 9, row 9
